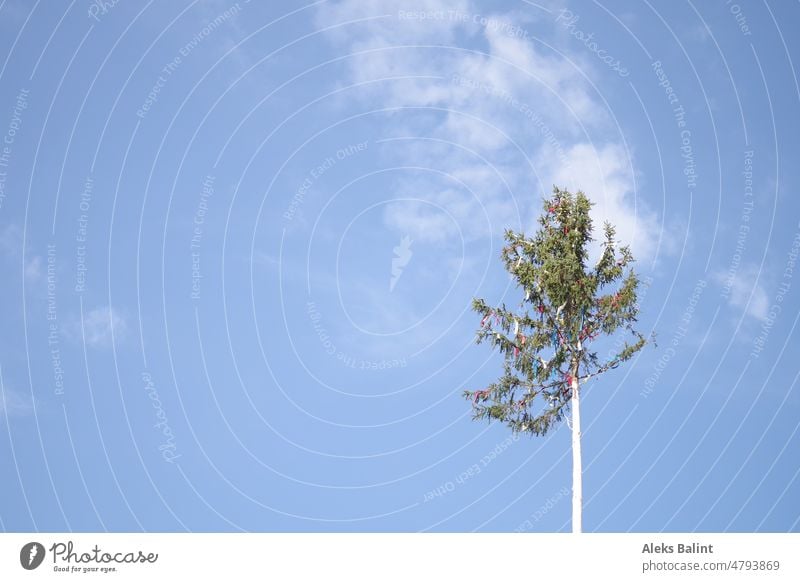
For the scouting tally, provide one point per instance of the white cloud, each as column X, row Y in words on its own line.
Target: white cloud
column 33, row 268
column 560, row 84
column 100, row 325
column 526, row 113
column 265, row 259
column 391, row 22
column 743, row 290
column 13, row 403
column 11, row 240
column 604, row 174
column 12, row 245
column 420, row 220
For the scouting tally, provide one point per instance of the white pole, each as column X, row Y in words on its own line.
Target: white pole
column 577, row 480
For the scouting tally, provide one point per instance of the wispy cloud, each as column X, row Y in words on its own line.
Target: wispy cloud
column 497, row 122
column 33, row 268
column 264, row 259
column 12, row 403
column 744, row 292
column 12, row 246
column 99, row 326
column 604, row 173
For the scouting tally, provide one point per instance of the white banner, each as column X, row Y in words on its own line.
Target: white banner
column 423, row 557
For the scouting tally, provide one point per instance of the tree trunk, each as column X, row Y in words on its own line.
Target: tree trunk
column 577, row 480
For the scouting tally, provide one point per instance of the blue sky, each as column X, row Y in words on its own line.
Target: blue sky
column 240, row 243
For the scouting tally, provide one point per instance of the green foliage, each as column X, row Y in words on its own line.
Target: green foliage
column 566, row 306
